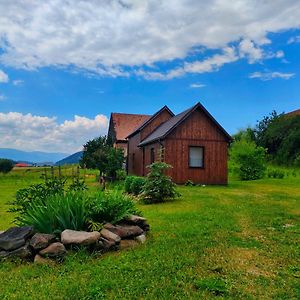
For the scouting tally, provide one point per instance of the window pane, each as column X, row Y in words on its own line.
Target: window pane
column 196, row 157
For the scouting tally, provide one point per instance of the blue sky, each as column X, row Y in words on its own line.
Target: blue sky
column 64, row 69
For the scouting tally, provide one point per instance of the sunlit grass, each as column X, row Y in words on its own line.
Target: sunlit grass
column 235, row 242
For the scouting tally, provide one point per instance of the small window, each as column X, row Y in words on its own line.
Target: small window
column 152, row 155
column 196, row 157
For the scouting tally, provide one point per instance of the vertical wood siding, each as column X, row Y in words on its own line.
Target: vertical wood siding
column 197, row 130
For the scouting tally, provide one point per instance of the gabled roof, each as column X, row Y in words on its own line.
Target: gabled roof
column 124, row 124
column 143, row 125
column 166, row 128
column 294, row 113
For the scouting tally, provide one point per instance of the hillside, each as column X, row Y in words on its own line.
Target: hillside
column 33, row 156
column 72, row 159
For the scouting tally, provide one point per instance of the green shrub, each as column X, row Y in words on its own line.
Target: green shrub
column 121, row 174
column 275, row 173
column 248, row 160
column 40, row 192
column 6, row 165
column 189, row 183
column 158, row 186
column 137, row 185
column 127, row 184
column 57, row 213
column 110, row 207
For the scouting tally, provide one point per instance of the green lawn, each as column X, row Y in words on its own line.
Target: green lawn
column 235, row 242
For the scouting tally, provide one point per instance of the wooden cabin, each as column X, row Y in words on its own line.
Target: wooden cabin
column 193, row 142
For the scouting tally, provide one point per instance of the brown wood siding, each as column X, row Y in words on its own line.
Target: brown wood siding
column 197, row 130
column 136, row 167
column 147, row 155
column 215, row 161
column 153, row 124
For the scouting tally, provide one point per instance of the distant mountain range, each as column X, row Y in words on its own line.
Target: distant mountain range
column 33, row 156
column 72, row 159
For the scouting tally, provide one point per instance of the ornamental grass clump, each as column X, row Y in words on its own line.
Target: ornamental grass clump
column 49, row 208
column 158, row 186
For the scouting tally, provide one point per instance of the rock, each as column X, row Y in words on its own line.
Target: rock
column 22, row 252
column 141, row 239
column 108, row 235
column 133, row 219
column 126, row 244
column 41, row 241
column 137, row 220
column 79, row 237
column 107, row 245
column 54, row 250
column 1, row 231
column 15, row 237
column 38, row 259
column 124, row 231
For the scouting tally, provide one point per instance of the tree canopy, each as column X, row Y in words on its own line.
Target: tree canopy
column 101, row 155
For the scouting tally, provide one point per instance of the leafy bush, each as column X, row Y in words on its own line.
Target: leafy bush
column 39, row 193
column 137, row 185
column 58, row 213
column 158, row 186
column 121, row 174
column 6, row 165
column 275, row 173
column 134, row 185
column 248, row 160
column 127, row 184
column 110, row 207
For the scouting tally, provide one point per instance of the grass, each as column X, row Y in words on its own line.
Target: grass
column 235, row 242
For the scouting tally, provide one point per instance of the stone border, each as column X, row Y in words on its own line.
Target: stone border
column 25, row 243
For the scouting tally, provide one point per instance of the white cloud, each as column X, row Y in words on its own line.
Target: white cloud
column 2, row 97
column 197, row 85
column 265, row 76
column 18, row 82
column 294, row 39
column 3, row 77
column 118, row 37
column 29, row 132
column 248, row 49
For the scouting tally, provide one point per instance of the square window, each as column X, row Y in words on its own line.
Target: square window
column 196, row 157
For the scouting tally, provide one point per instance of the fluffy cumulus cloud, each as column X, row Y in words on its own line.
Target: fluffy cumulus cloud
column 265, row 76
column 29, row 132
column 125, row 37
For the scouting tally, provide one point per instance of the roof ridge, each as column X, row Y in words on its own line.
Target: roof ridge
column 178, row 119
column 150, row 119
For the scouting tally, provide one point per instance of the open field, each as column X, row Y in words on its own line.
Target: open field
column 235, row 242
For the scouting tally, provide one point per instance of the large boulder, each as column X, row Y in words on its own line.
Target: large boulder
column 54, row 250
column 22, row 252
column 124, row 231
column 15, row 237
column 108, row 235
column 79, row 237
column 41, row 241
